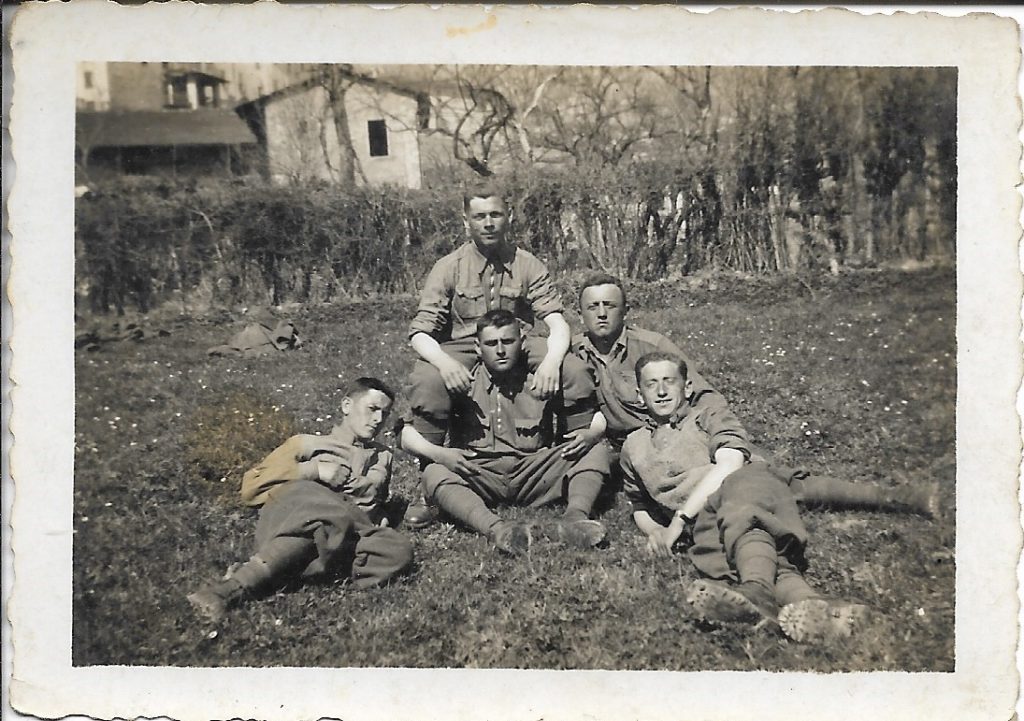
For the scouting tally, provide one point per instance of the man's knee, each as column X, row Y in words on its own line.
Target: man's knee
column 597, row 459
column 435, row 476
column 381, row 554
column 426, row 390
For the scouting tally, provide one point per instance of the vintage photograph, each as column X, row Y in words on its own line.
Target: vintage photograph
column 515, row 366
column 513, row 363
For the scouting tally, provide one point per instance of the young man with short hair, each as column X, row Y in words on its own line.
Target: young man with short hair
column 693, row 466
column 508, row 445
column 485, row 273
column 322, row 501
column 610, row 348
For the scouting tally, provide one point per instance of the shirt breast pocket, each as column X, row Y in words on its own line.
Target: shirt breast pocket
column 512, row 298
column 626, row 389
column 469, row 303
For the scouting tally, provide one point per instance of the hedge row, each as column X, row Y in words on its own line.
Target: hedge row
column 142, row 242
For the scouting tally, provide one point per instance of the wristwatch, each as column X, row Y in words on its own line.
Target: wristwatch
column 686, row 519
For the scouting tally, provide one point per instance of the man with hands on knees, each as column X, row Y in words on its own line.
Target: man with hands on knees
column 509, row 445
column 487, row 272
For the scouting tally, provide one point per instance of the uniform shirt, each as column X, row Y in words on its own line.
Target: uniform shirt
column 687, row 445
column 359, row 469
column 501, row 416
column 464, row 285
column 615, row 377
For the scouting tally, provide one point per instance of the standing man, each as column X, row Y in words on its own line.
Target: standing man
column 506, row 444
column 486, row 273
column 610, row 348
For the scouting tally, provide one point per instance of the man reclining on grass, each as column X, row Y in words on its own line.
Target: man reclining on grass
column 321, row 498
column 692, row 466
column 610, row 348
column 508, row 445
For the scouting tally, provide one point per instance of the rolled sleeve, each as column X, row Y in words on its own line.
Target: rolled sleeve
column 724, row 431
column 540, row 291
column 579, row 394
column 433, row 315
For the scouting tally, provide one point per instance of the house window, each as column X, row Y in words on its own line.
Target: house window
column 378, row 132
column 87, row 78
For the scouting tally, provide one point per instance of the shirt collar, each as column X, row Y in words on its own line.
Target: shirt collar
column 619, row 348
column 518, row 373
column 673, row 422
column 345, row 435
column 504, row 260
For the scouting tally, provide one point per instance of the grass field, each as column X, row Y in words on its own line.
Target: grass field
column 852, row 376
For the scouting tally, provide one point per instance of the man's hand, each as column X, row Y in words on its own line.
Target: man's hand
column 333, row 474
column 547, row 379
column 456, row 459
column 580, row 443
column 660, row 540
column 455, row 375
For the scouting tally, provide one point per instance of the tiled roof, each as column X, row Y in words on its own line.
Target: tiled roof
column 161, row 128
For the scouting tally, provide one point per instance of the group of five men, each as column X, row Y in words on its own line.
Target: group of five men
column 499, row 416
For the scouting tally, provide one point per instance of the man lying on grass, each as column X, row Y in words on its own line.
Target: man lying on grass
column 506, row 444
column 322, row 499
column 610, row 348
column 690, row 468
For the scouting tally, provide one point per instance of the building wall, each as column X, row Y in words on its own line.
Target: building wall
column 401, row 166
column 136, row 86
column 92, row 91
column 302, row 141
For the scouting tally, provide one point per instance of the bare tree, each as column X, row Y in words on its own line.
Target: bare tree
column 483, row 111
column 598, row 115
column 337, row 80
column 692, row 86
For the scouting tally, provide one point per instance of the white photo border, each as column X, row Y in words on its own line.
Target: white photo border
column 49, row 39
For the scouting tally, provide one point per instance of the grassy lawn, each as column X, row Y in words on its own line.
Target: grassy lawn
column 851, row 376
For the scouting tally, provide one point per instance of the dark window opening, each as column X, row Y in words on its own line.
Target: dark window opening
column 87, row 79
column 378, row 132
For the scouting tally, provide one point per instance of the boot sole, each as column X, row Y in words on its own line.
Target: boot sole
column 822, row 621
column 581, row 534
column 512, row 548
column 210, row 609
column 721, row 604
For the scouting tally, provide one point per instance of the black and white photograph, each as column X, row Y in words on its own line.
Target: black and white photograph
column 497, row 247
column 528, row 366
